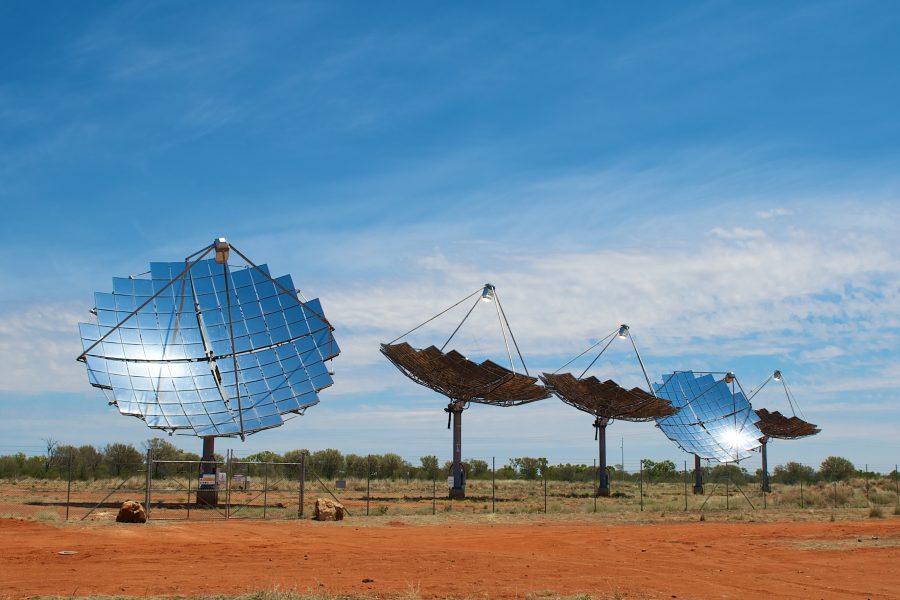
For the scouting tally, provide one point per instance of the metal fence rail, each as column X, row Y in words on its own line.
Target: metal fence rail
column 245, row 489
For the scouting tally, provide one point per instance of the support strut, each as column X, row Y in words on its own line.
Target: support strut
column 207, row 490
column 698, row 476
column 602, row 474
column 458, row 489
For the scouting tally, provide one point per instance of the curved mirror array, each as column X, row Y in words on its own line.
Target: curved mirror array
column 173, row 362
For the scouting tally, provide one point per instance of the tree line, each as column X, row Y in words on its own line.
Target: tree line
column 119, row 460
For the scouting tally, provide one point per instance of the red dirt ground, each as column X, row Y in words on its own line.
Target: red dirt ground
column 497, row 560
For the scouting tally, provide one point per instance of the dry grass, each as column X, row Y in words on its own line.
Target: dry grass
column 421, row 499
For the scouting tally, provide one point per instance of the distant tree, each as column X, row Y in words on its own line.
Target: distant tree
column 52, row 456
column 836, row 468
column 735, row 473
column 264, row 457
column 477, row 468
column 664, row 469
column 88, row 463
column 356, row 465
column 295, row 456
column 506, row 472
column 570, row 472
column 163, row 450
column 429, row 466
column 528, row 467
column 792, row 473
column 121, row 459
column 391, row 466
column 327, row 463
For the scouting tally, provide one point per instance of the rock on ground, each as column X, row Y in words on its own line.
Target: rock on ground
column 328, row 510
column 131, row 512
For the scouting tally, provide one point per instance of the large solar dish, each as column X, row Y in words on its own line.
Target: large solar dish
column 198, row 347
column 464, row 381
column 461, row 379
column 606, row 400
column 714, row 420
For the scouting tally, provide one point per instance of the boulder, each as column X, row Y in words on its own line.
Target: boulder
column 131, row 512
column 328, row 510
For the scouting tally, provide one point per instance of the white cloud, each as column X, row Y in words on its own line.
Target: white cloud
column 774, row 212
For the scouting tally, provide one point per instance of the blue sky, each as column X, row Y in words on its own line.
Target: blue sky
column 721, row 177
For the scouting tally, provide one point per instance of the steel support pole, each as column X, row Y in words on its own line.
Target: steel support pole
column 698, row 476
column 458, row 491
column 208, row 494
column 641, row 488
column 765, row 465
column 685, row 479
column 493, row 484
column 602, row 473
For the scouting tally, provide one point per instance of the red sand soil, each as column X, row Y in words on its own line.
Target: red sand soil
column 497, row 560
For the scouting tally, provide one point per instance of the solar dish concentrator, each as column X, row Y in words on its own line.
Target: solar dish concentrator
column 199, row 348
column 714, row 420
column 606, row 400
column 463, row 381
column 778, row 426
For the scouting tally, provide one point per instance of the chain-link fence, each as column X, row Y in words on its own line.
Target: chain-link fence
column 236, row 488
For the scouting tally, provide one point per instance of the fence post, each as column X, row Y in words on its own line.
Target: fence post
column 897, row 484
column 265, row 489
column 641, row 488
column 433, row 495
column 834, row 485
column 727, row 485
column 493, row 483
column 545, row 494
column 597, row 484
column 302, row 484
column 189, row 478
column 684, row 478
column 148, row 482
column 802, row 503
column 69, row 486
column 867, row 482
column 229, row 460
column 368, row 483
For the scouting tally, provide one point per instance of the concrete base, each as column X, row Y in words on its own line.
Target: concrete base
column 457, row 493
column 698, row 490
column 602, row 492
column 207, row 497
